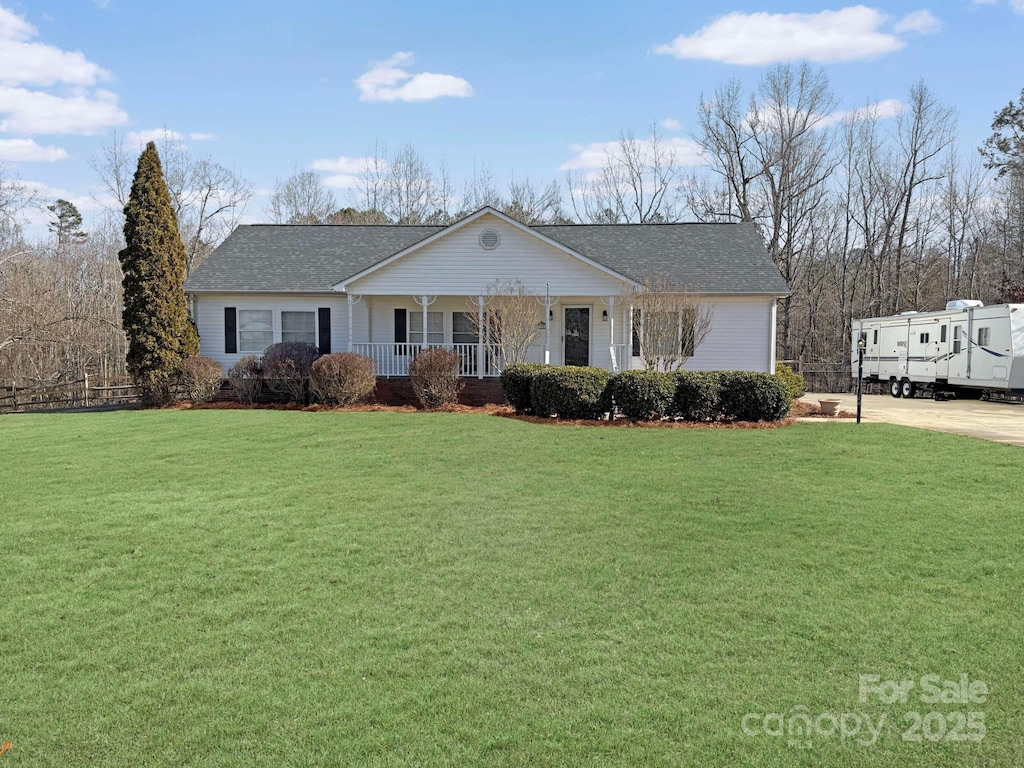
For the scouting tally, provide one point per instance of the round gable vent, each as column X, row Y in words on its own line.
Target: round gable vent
column 489, row 239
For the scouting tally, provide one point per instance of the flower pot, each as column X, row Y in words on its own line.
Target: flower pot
column 830, row 407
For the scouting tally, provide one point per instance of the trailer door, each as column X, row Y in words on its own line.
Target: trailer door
column 942, row 349
column 959, row 350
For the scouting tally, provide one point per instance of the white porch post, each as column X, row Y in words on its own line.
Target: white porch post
column 424, row 301
column 351, row 303
column 549, row 302
column 479, row 337
column 616, row 365
column 627, row 337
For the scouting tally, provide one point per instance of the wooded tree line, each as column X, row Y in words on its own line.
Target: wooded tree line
column 867, row 212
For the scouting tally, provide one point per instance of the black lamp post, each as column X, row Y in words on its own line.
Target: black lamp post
column 862, row 343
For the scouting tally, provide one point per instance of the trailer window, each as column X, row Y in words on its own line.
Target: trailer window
column 956, row 340
column 874, row 337
column 984, row 336
column 924, row 338
column 942, row 334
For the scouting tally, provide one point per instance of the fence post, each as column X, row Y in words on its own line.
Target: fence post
column 87, row 390
column 14, row 393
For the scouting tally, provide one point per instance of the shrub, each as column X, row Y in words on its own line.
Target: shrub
column 246, row 377
column 199, row 377
column 343, row 378
column 153, row 388
column 435, row 377
column 286, row 368
column 747, row 396
column 697, row 395
column 515, row 383
column 569, row 391
column 641, row 395
column 794, row 381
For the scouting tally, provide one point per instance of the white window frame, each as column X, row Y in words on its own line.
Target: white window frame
column 433, row 337
column 242, row 346
column 309, row 312
column 984, row 336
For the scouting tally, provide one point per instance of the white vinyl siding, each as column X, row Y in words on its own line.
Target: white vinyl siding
column 255, row 330
column 457, row 265
column 209, row 317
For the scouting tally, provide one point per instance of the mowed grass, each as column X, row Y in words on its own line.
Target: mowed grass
column 241, row 588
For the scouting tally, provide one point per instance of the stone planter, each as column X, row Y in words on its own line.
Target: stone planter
column 830, row 407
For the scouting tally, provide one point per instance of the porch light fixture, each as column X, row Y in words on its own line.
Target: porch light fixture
column 604, row 315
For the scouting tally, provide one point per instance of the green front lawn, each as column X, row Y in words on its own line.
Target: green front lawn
column 243, row 588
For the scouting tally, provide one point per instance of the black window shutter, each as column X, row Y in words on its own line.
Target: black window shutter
column 230, row 331
column 401, row 327
column 323, row 316
column 636, row 336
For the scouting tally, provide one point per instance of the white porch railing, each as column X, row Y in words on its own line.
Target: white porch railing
column 621, row 356
column 394, row 359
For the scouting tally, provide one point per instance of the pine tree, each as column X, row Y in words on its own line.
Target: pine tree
column 68, row 223
column 155, row 317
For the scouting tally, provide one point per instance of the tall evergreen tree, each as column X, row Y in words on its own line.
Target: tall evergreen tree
column 68, row 223
column 155, row 317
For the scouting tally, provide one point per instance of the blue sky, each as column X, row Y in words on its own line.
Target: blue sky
column 522, row 87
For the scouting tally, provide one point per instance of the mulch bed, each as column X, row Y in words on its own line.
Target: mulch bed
column 492, row 410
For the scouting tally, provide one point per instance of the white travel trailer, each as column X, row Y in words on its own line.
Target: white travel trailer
column 967, row 349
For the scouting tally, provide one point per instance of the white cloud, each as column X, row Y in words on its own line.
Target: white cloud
column 27, row 65
column 922, row 22
column 27, row 151
column 101, row 4
column 1017, row 6
column 153, row 134
column 848, row 34
column 29, row 112
column 387, row 81
column 341, row 165
column 23, row 62
column 165, row 135
column 882, row 110
column 86, row 202
column 671, row 124
column 14, row 27
column 594, row 156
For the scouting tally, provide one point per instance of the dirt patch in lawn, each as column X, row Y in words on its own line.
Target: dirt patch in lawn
column 806, row 410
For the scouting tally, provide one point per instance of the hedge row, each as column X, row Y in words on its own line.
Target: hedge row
column 588, row 393
column 294, row 372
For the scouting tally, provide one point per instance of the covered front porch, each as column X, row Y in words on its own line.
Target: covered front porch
column 577, row 330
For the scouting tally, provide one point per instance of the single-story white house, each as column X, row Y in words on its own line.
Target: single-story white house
column 386, row 291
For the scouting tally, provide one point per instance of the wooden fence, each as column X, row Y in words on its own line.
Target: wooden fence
column 84, row 393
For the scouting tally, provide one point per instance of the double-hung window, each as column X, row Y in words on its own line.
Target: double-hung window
column 298, row 326
column 255, row 330
column 435, row 328
column 984, row 337
column 464, row 330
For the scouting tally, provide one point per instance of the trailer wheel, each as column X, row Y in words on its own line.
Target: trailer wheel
column 907, row 388
column 894, row 388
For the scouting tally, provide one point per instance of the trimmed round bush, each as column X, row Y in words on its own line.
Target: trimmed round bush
column 342, row 378
column 246, row 377
column 794, row 381
column 570, row 392
column 435, row 377
column 748, row 396
column 696, row 396
column 199, row 378
column 286, row 367
column 641, row 395
column 515, row 383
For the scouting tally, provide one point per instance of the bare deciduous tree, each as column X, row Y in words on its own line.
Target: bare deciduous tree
column 513, row 319
column 637, row 184
column 300, row 199
column 669, row 322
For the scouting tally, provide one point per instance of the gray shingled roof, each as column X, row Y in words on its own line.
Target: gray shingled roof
column 709, row 258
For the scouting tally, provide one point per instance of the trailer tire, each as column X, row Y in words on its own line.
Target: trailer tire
column 894, row 387
column 907, row 388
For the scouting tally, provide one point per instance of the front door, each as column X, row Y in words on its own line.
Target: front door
column 577, row 336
